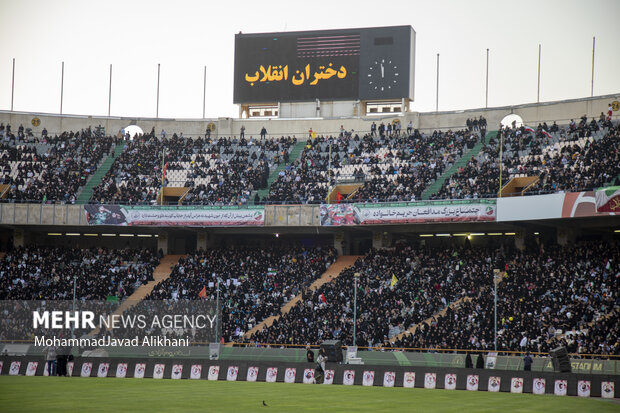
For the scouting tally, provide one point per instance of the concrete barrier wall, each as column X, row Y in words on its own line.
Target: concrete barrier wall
column 74, row 215
column 532, row 114
column 42, row 214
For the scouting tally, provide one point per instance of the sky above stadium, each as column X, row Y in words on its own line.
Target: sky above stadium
column 184, row 36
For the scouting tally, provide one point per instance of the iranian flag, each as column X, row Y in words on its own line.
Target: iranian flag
column 530, row 130
column 608, row 199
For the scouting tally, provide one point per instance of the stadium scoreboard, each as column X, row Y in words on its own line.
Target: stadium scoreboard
column 345, row 64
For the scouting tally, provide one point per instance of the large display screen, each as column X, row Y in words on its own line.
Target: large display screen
column 366, row 64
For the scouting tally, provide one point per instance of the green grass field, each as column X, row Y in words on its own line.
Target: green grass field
column 59, row 394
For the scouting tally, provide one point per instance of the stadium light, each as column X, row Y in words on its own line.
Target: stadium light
column 442, row 235
column 72, row 234
column 509, row 233
column 355, row 278
column 54, row 233
column 495, row 275
column 125, row 235
column 90, row 235
column 494, row 233
column 426, row 235
column 108, row 235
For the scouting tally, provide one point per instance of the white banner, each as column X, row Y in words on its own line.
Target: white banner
column 539, row 385
column 409, row 379
column 31, row 370
column 494, row 383
column 560, row 388
column 389, row 377
column 214, row 372
column 252, row 374
column 308, row 376
column 408, row 213
column 196, row 372
column 158, row 371
column 138, row 372
column 86, row 369
column 369, row 378
column 583, row 388
column 430, row 380
column 231, row 374
column 329, row 377
column 173, row 215
column 103, row 370
column 472, row 382
column 516, row 385
column 607, row 389
column 14, row 371
column 272, row 374
column 121, row 370
column 450, row 381
column 177, row 372
column 348, row 377
column 289, row 375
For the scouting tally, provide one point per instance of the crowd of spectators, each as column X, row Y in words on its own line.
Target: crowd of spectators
column 47, row 273
column 49, row 168
column 215, row 171
column 254, row 283
column 393, row 166
column 547, row 296
column 551, row 297
column 581, row 156
column 427, row 280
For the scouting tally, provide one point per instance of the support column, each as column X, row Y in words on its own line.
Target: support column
column 18, row 238
column 520, row 236
column 201, row 241
column 163, row 241
column 339, row 242
column 381, row 239
column 566, row 236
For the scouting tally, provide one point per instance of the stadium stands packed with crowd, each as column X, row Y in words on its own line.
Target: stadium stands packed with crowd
column 410, row 295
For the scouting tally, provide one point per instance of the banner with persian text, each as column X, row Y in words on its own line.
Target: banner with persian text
column 408, row 212
column 199, row 216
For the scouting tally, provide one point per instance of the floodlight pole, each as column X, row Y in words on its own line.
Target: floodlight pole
column 204, row 93
column 217, row 312
column 501, row 160
column 157, row 109
column 13, row 85
column 110, row 91
column 437, row 92
column 486, row 101
column 495, row 273
column 62, row 84
column 355, row 277
column 538, row 89
column 163, row 176
column 74, row 287
column 329, row 168
column 592, row 82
